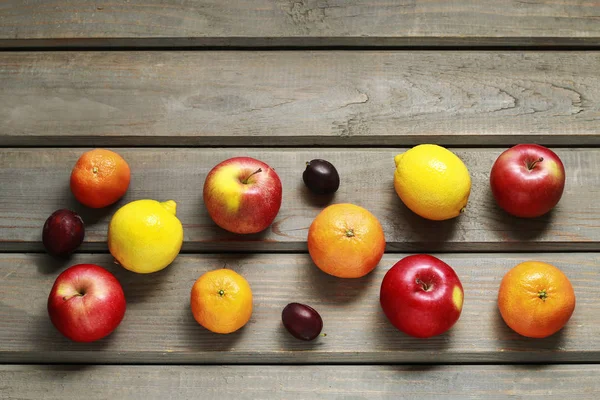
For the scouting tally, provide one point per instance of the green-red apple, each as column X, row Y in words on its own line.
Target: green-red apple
column 242, row 195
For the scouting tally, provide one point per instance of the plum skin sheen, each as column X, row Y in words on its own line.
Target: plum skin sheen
column 321, row 177
column 63, row 232
column 302, row 321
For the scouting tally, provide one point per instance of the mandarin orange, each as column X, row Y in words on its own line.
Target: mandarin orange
column 536, row 299
column 346, row 241
column 221, row 301
column 100, row 178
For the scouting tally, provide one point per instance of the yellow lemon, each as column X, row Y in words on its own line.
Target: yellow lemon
column 432, row 182
column 145, row 236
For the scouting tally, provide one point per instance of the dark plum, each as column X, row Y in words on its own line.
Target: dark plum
column 302, row 321
column 63, row 232
column 321, row 177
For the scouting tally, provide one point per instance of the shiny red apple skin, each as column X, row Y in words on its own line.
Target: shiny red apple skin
column 421, row 296
column 241, row 200
column 86, row 303
column 524, row 186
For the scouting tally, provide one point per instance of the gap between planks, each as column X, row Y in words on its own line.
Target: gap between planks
column 265, row 142
column 42, row 45
column 423, row 364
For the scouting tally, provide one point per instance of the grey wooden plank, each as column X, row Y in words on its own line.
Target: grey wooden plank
column 158, row 326
column 298, row 98
column 35, row 182
column 298, row 23
column 299, row 382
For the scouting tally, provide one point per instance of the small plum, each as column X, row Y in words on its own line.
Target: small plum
column 63, row 232
column 302, row 321
column 321, row 177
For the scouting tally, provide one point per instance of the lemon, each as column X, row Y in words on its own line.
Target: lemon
column 145, row 236
column 432, row 182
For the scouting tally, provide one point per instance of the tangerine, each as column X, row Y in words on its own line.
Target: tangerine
column 221, row 301
column 346, row 241
column 536, row 299
column 100, row 178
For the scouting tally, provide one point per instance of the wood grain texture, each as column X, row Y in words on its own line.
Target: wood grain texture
column 158, row 326
column 305, row 98
column 299, row 382
column 298, row 23
column 366, row 180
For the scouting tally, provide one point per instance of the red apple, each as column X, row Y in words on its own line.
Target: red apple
column 242, row 195
column 421, row 296
column 86, row 303
column 527, row 180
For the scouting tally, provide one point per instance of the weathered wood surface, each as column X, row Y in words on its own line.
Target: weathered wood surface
column 299, row 382
column 35, row 182
column 298, row 23
column 158, row 326
column 299, row 98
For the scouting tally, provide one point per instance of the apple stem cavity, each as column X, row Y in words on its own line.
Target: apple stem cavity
column 245, row 181
column 425, row 286
column 532, row 164
column 542, row 294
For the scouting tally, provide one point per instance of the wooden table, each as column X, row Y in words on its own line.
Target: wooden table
column 178, row 86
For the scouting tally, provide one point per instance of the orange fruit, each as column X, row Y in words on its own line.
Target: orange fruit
column 99, row 178
column 346, row 241
column 536, row 299
column 221, row 301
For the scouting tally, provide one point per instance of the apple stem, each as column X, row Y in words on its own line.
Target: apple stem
column 75, row 295
column 423, row 284
column 245, row 181
column 533, row 163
